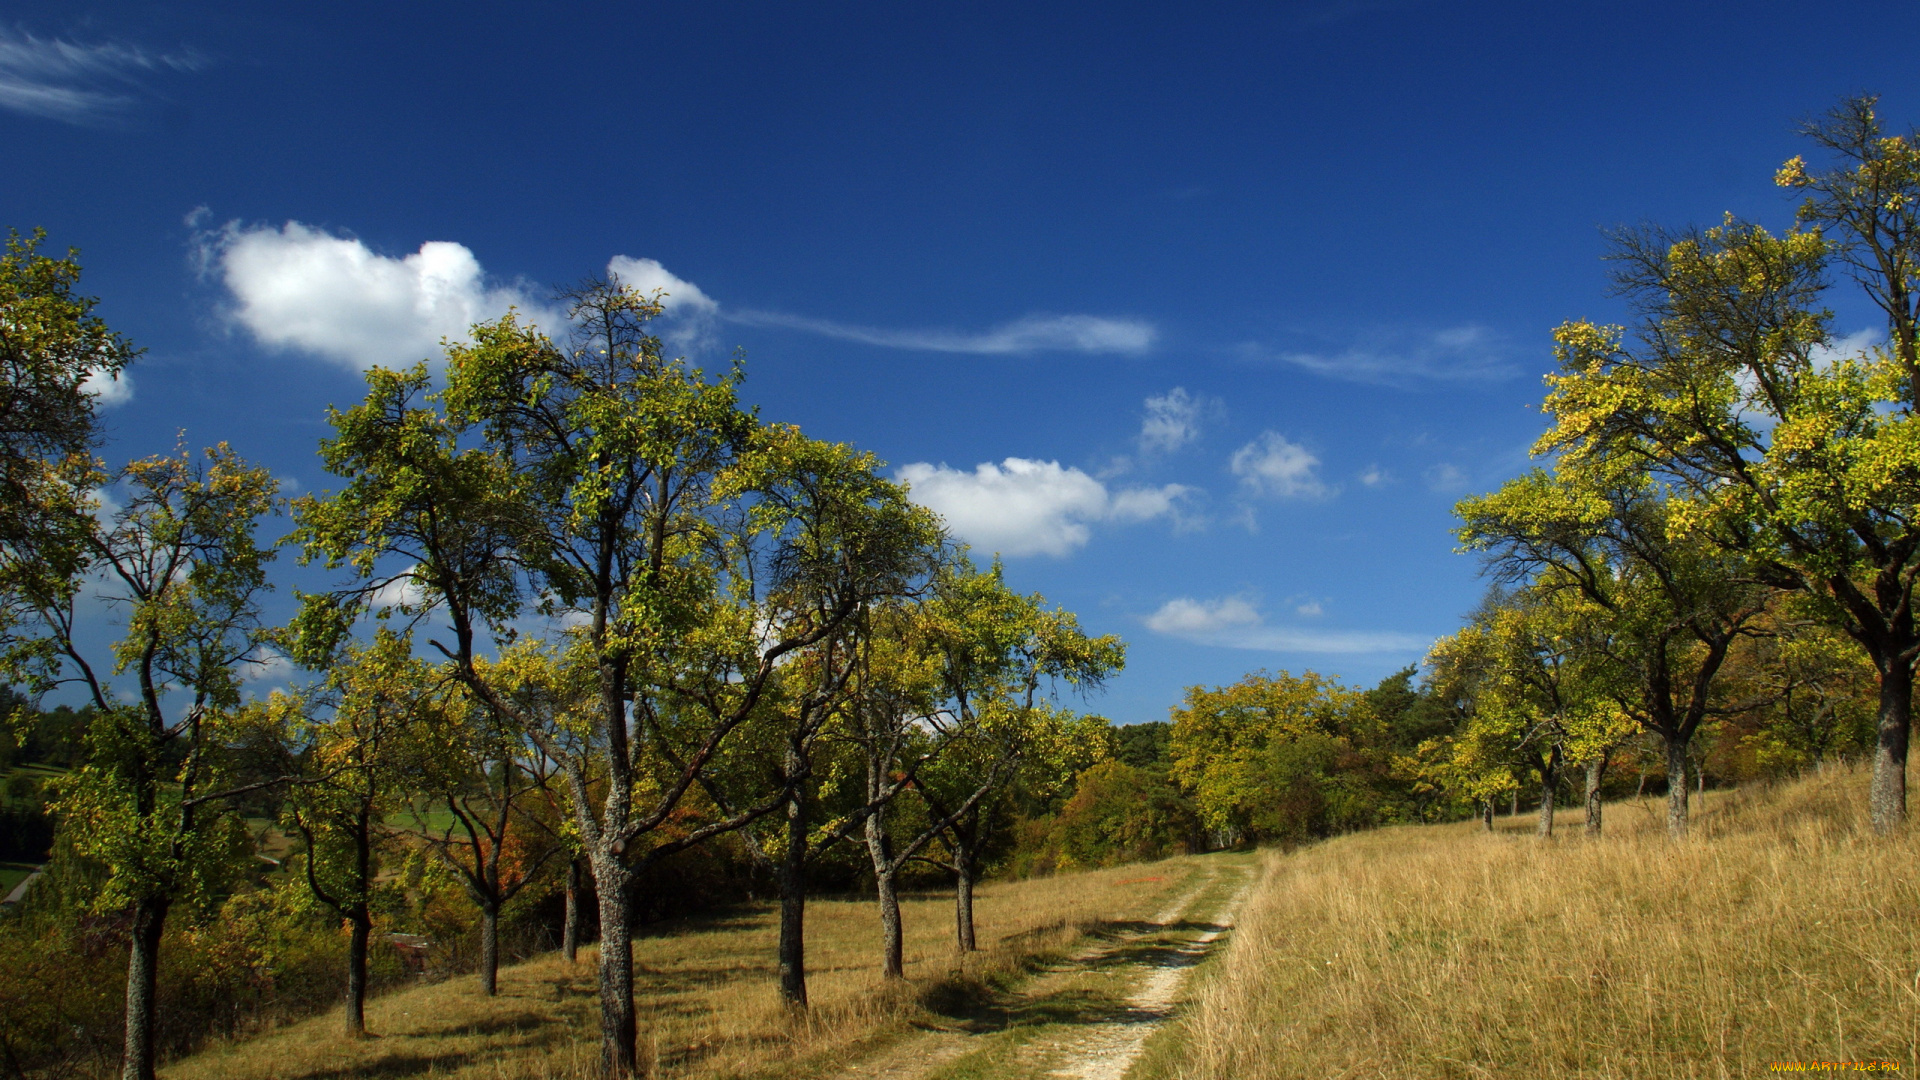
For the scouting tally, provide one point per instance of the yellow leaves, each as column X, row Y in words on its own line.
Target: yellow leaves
column 1793, row 174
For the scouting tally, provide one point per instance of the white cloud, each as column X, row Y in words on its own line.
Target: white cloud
column 1034, row 333
column 1310, row 609
column 108, row 390
column 1271, row 465
column 1234, row 623
column 302, row 288
column 1173, row 420
column 1023, row 507
column 688, row 313
column 403, row 592
column 649, row 277
column 88, row 85
column 1183, row 616
column 1853, row 345
column 1458, row 354
column 1374, row 476
column 268, row 666
column 1446, row 477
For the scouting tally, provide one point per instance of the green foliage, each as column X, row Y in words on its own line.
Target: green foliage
column 1118, row 813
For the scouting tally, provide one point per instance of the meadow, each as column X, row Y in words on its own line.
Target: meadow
column 706, row 992
column 1782, row 932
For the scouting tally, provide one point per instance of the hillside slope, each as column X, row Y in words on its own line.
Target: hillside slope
column 1782, row 932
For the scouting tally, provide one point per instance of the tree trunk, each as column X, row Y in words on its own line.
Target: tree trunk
column 617, row 1030
column 143, row 974
column 1887, row 804
column 963, row 901
column 360, row 930
column 793, row 904
column 890, row 926
column 1486, row 806
column 490, row 949
column 570, row 934
column 1548, row 777
column 880, row 850
column 1596, row 772
column 1515, row 811
column 1676, row 787
column 793, row 890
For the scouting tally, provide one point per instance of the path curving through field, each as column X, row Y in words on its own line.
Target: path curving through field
column 1090, row 1016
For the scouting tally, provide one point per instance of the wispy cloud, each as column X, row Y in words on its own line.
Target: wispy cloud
column 1233, row 622
column 1025, row 507
column 1273, row 466
column 1174, row 419
column 1467, row 353
column 88, row 85
column 1034, row 333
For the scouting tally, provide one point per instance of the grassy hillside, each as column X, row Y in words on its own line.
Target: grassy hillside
column 707, row 1000
column 1782, row 932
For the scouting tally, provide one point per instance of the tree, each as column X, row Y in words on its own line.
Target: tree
column 356, row 766
column 1803, row 462
column 54, row 355
column 152, row 803
column 1663, row 608
column 474, row 764
column 1263, row 758
column 1535, row 673
column 994, row 651
column 603, row 483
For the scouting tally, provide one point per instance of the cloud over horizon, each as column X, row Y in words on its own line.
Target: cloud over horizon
column 1233, row 622
column 1024, row 507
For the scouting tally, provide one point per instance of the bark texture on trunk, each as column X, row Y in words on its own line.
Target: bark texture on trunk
column 360, row 932
column 490, row 950
column 143, row 976
column 880, row 849
column 793, row 903
column 1515, row 810
column 1887, row 802
column 1596, row 772
column 1486, row 813
column 963, row 903
column 1676, row 787
column 617, row 1029
column 570, row 934
column 1545, row 828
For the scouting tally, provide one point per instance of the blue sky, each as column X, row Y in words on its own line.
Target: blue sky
column 1204, row 315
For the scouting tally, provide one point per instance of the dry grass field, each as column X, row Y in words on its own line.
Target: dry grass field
column 1782, row 932
column 707, row 1000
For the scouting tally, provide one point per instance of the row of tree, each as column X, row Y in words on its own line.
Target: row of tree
column 1730, row 525
column 592, row 613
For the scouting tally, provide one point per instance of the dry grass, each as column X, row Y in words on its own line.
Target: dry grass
column 1783, row 931
column 707, row 999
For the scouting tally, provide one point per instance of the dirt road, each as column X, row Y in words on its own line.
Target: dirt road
column 1089, row 1017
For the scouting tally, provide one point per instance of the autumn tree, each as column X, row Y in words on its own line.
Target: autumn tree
column 1534, row 667
column 353, row 737
column 1262, row 758
column 1662, row 608
column 600, row 482
column 998, row 656
column 1800, row 460
column 181, row 562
